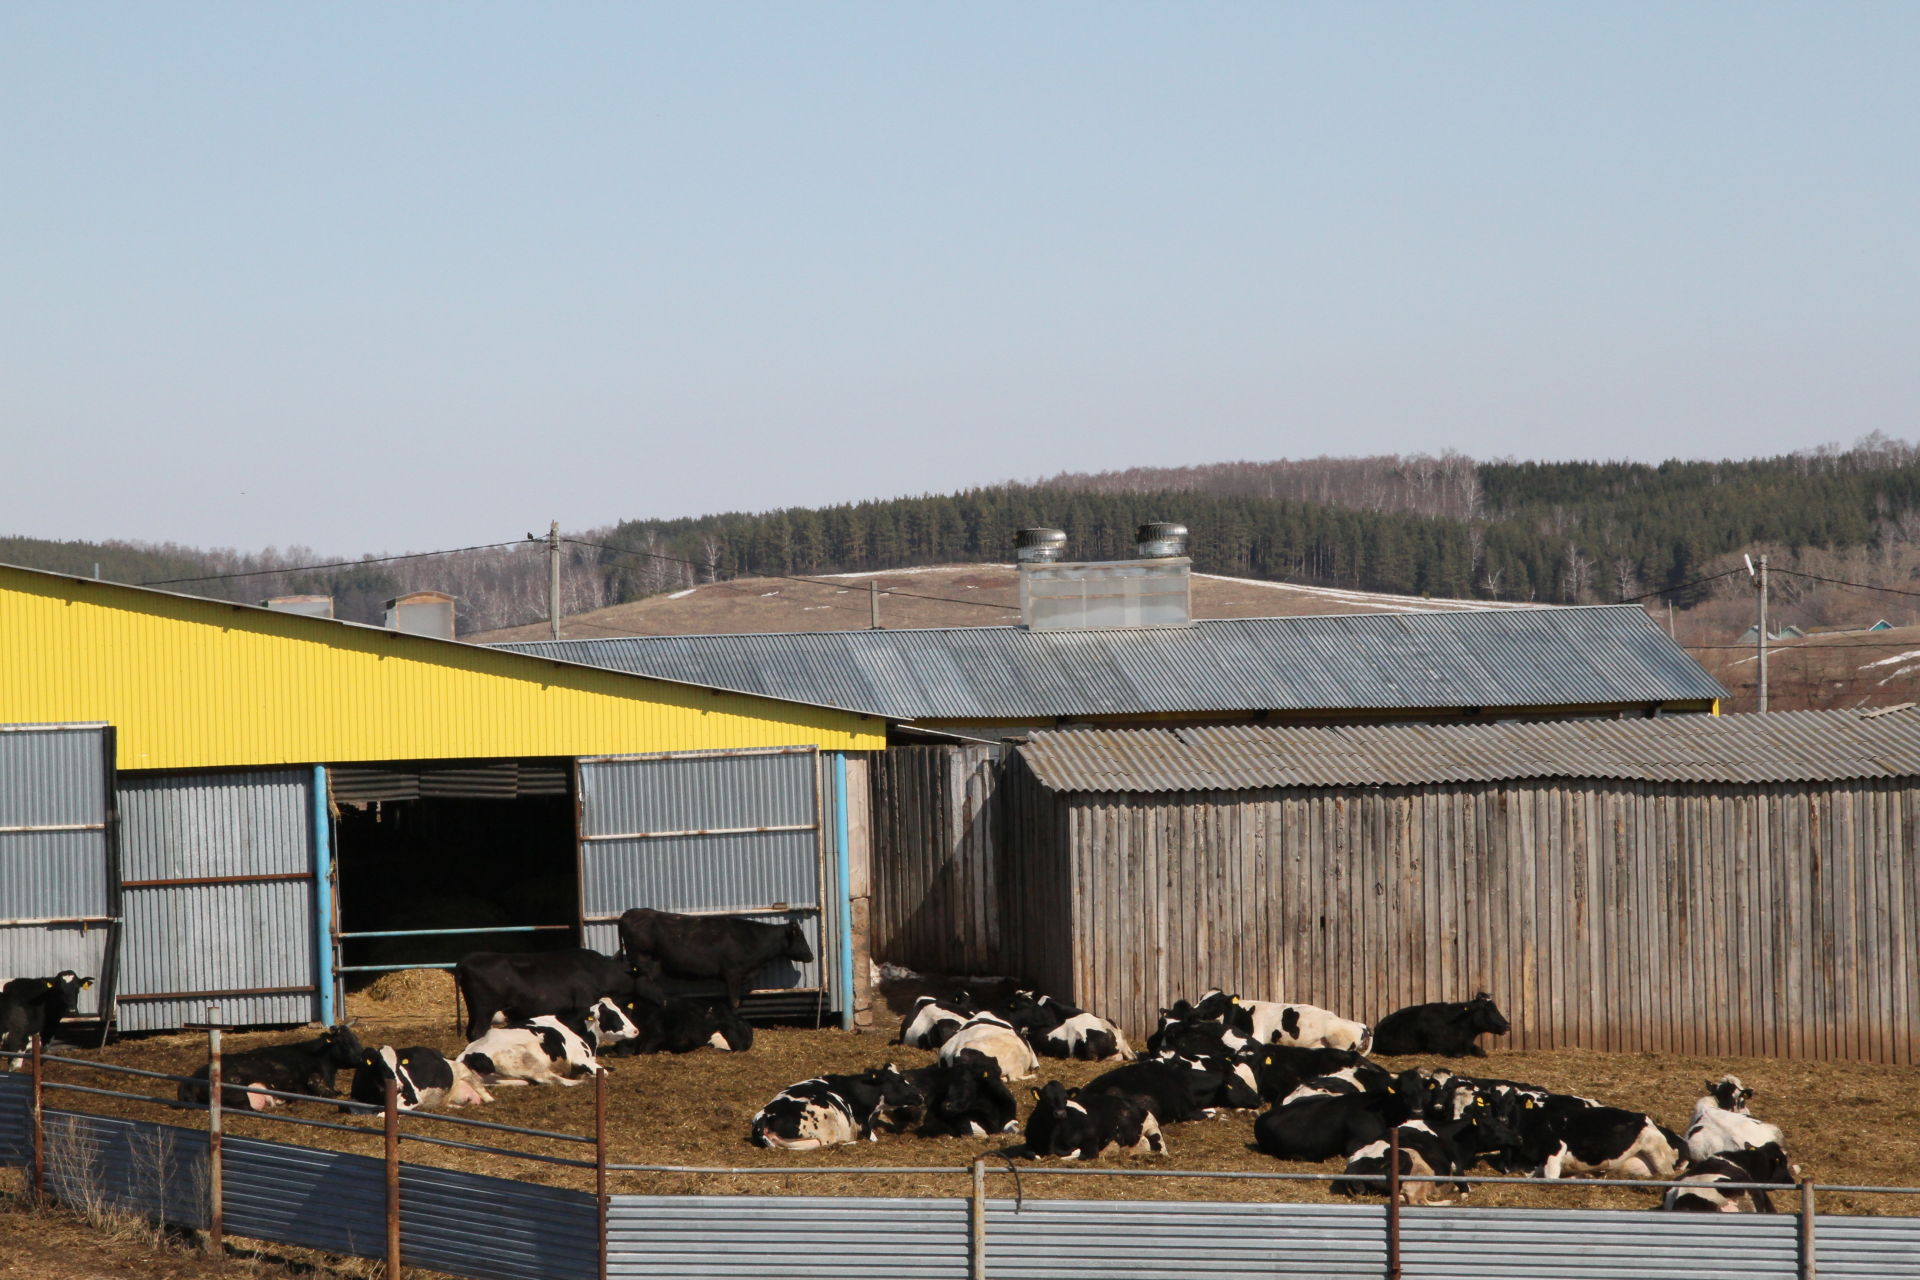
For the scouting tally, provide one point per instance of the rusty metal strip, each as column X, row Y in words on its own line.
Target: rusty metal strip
column 234, row 991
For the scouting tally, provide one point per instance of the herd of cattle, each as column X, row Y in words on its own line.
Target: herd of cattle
column 547, row 1019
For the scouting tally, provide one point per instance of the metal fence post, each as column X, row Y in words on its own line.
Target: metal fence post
column 977, row 1245
column 216, row 1226
column 600, row 1162
column 393, row 1178
column 1393, row 1204
column 1807, row 1263
column 39, row 1121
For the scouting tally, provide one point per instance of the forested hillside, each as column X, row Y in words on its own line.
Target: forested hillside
column 1419, row 525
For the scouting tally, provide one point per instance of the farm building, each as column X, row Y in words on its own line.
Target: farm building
column 204, row 802
column 1745, row 885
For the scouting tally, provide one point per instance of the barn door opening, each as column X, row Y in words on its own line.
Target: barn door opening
column 58, row 873
column 435, row 859
column 734, row 833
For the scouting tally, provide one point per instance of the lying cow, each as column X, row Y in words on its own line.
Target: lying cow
column 1705, row 1179
column 1059, row 1030
column 1085, row 1126
column 307, row 1066
column 1721, row 1122
column 546, row 982
column 723, row 947
column 550, row 1049
column 965, row 1097
column 1573, row 1137
column 36, row 1006
column 1440, row 1028
column 681, row 1026
column 426, row 1080
column 1424, row 1153
column 932, row 1021
column 829, row 1110
column 995, row 1037
column 1319, row 1128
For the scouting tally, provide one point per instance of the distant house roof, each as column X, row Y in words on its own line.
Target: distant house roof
column 1606, row 654
column 1790, row 746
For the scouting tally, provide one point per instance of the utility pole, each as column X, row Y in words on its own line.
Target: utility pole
column 553, row 578
column 873, row 602
column 1760, row 587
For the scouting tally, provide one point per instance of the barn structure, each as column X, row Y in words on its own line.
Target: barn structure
column 211, row 802
column 1706, row 885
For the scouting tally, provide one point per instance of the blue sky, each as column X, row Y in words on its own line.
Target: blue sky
column 375, row 278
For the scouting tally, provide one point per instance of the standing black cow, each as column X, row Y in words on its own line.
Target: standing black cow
column 723, row 947
column 1442, row 1028
column 528, row 986
column 30, row 1006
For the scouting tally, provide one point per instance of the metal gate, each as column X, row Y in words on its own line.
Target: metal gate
column 57, row 854
column 714, row 833
column 217, row 891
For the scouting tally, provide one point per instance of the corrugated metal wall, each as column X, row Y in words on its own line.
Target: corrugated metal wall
column 736, row 833
column 1776, row 920
column 1148, row 1240
column 326, row 1200
column 937, row 851
column 156, row 1170
column 56, row 853
column 778, row 1236
column 496, row 1228
column 217, row 894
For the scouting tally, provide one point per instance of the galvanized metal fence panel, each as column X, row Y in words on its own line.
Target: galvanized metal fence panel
column 1522, row 1244
column 158, row 1171
column 56, row 852
column 16, row 1117
column 773, row 1236
column 1867, row 1248
column 326, row 1200
column 1176, row 1240
column 218, row 898
column 496, row 1228
column 733, row 832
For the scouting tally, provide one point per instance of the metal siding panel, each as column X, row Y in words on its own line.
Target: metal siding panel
column 217, row 938
column 58, row 875
column 16, row 1117
column 1176, row 1240
column 757, row 1236
column 496, row 1228
column 326, row 1200
column 193, row 683
column 55, row 775
column 158, row 1171
column 1490, row 1244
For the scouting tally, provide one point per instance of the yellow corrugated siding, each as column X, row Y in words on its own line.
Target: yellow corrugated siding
column 191, row 683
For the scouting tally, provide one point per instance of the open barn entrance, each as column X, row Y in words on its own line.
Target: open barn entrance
column 437, row 859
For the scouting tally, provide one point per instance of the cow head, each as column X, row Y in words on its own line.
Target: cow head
column 1729, row 1094
column 614, row 1020
column 898, row 1095
column 797, row 949
column 1212, row 1004
column 386, row 1064
column 1483, row 1016
column 973, row 1083
column 343, row 1047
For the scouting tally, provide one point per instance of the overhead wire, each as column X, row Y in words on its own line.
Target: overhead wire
column 336, row 564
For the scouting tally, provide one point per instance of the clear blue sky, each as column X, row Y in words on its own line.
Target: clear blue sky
column 384, row 277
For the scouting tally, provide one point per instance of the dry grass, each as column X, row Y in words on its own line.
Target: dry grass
column 1845, row 1122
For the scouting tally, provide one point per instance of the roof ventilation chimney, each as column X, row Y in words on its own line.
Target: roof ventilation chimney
column 1160, row 540
column 421, row 613
column 1039, row 546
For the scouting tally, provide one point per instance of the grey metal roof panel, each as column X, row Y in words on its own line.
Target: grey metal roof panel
column 1792, row 746
column 1491, row 658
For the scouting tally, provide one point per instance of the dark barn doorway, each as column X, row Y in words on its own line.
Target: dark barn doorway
column 480, row 853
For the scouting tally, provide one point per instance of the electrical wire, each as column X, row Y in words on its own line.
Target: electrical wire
column 1668, row 591
column 337, row 564
column 1842, row 582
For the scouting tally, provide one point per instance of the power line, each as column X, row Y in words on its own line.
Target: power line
column 1668, row 591
column 337, row 564
column 1842, row 582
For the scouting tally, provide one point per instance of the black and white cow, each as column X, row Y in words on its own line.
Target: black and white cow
column 996, row 1037
column 426, row 1080
column 1447, row 1029
column 560, row 1049
column 1361, row 1077
column 683, row 1025
column 1078, row 1125
column 307, row 1066
column 723, row 947
column 518, row 986
column 1571, row 1137
column 1177, row 1089
column 30, row 1006
column 1302, row 1026
column 1319, row 1128
column 932, row 1021
column 1059, row 1030
column 1705, row 1178
column 1721, row 1122
column 829, row 1110
column 1425, row 1152
column 965, row 1097
column 1280, row 1069
column 1190, row 1034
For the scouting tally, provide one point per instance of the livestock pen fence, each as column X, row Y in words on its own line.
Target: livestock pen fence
column 500, row 1228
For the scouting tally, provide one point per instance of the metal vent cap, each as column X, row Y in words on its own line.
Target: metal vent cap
column 1039, row 546
column 1161, row 539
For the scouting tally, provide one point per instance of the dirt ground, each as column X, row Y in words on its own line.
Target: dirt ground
column 1846, row 1123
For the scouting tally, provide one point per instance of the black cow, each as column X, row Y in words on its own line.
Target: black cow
column 307, row 1066
column 1190, row 1035
column 526, row 986
column 828, row 1110
column 722, row 947
column 1279, row 1069
column 965, row 1097
column 1319, row 1128
column 37, row 1005
column 1059, row 1030
column 1446, row 1029
column 1085, row 1126
column 1571, row 1137
column 1766, row 1163
column 681, row 1026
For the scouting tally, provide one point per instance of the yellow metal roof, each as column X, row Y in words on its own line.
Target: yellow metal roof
column 189, row 682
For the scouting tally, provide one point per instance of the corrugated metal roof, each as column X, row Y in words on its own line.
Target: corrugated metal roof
column 1791, row 746
column 1490, row 658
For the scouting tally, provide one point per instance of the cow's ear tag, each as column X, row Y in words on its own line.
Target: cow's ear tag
column 1035, row 1093
column 1479, row 1102
column 1529, row 1104
column 86, row 985
column 49, row 984
column 406, row 1062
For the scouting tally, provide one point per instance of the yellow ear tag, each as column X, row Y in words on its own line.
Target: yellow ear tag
column 406, row 1062
column 87, row 985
